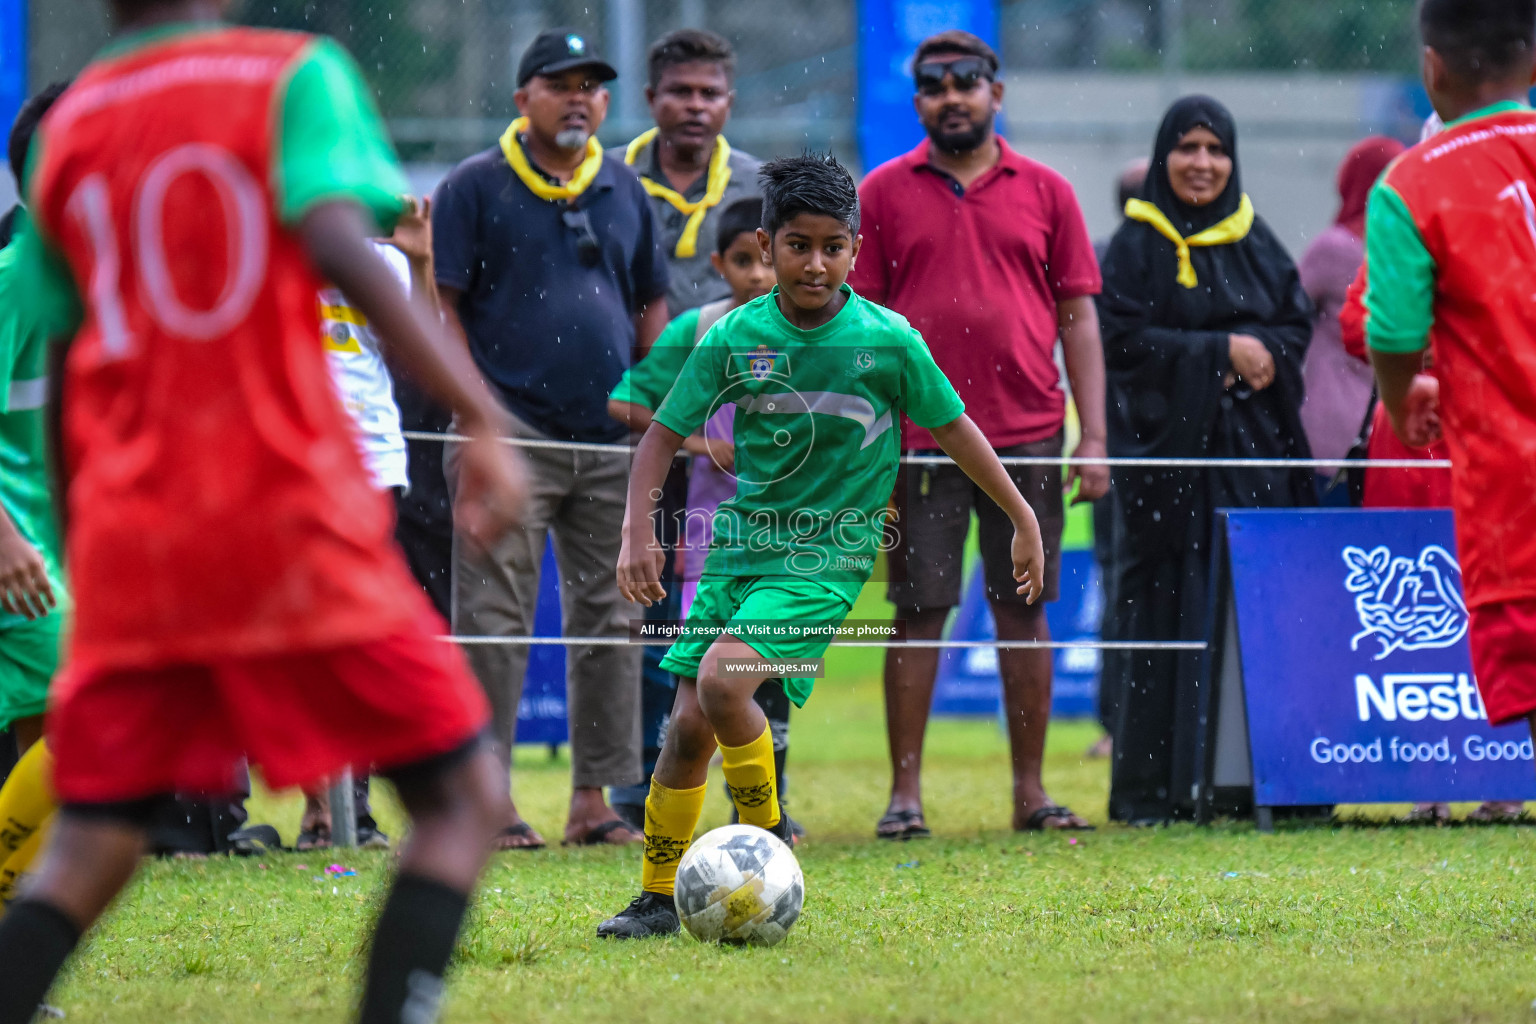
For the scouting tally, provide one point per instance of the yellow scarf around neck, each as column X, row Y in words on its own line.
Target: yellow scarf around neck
column 1233, row 229
column 512, row 149
column 719, row 177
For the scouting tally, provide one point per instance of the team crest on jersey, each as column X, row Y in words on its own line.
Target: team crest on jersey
column 863, row 362
column 761, row 363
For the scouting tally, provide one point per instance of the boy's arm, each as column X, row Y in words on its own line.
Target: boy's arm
column 964, row 442
column 1083, row 353
column 413, row 237
column 632, row 414
column 640, row 557
column 492, row 487
column 1400, row 310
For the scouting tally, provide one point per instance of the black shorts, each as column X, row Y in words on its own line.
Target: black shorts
column 933, row 507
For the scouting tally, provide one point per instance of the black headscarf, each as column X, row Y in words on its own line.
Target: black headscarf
column 1187, row 114
column 1167, row 347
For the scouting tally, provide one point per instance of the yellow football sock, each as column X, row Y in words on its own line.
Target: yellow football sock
column 671, row 815
column 26, row 801
column 13, row 869
column 749, row 777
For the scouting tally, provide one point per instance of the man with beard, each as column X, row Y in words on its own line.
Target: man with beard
column 550, row 265
column 987, row 254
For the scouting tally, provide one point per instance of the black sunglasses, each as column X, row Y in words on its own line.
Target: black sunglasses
column 967, row 71
column 588, row 249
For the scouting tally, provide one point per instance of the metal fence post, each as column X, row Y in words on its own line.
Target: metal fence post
column 343, row 812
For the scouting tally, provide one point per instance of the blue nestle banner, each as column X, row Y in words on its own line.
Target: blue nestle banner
column 1358, row 681
column 541, row 715
column 889, row 31
column 968, row 683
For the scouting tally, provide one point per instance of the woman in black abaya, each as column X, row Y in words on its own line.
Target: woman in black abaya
column 1205, row 327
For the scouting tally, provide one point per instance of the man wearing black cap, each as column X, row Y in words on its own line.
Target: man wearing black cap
column 551, row 266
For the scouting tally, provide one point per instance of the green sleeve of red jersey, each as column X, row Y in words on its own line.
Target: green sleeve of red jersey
column 332, row 143
column 648, row 381
column 1400, row 276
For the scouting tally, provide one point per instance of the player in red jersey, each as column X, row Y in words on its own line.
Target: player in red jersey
column 237, row 589
column 1451, row 243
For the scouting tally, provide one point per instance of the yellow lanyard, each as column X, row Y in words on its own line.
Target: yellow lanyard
column 1233, row 229
column 719, row 177
column 512, row 149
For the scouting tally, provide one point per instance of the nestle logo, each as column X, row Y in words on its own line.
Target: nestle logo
column 1415, row 696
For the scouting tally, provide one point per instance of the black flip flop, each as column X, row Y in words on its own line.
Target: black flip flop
column 1036, row 822
column 522, row 830
column 910, row 822
column 317, row 838
column 598, row 836
column 255, row 841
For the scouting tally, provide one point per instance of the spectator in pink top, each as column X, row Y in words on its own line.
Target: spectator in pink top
column 987, row 254
column 1339, row 387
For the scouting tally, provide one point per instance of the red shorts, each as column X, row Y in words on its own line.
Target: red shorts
column 128, row 734
column 1503, row 639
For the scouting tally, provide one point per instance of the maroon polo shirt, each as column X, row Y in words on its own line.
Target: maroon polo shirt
column 979, row 272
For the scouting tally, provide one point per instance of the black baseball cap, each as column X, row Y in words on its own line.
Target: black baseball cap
column 561, row 49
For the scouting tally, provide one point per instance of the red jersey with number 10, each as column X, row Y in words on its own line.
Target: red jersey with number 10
column 218, row 506
column 1469, row 192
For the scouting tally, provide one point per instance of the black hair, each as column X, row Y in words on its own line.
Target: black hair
column 811, row 183
column 740, row 218
column 25, row 126
column 959, row 42
column 1480, row 40
column 690, row 46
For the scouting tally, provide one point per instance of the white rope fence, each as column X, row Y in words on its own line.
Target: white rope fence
column 943, row 645
column 1007, row 460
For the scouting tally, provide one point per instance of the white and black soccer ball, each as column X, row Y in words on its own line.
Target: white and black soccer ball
column 739, row 884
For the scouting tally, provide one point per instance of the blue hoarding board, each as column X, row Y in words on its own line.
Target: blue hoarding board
column 541, row 715
column 968, row 683
column 13, row 60
column 1355, row 668
column 889, row 31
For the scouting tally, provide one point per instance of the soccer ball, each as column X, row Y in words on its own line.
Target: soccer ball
column 739, row 884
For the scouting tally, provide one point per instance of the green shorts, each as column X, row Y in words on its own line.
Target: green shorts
column 29, row 657
column 740, row 601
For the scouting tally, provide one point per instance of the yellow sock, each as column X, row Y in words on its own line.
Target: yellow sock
column 749, row 777
column 26, row 801
column 13, row 869
column 671, row 815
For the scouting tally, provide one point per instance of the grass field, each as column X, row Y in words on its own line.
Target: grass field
column 1351, row 923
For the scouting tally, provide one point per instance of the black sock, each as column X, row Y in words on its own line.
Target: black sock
column 35, row 940
column 411, row 947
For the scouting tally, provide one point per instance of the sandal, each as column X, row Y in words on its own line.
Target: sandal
column 254, row 841
column 1496, row 812
column 902, row 825
column 598, row 835
column 316, row 837
column 1427, row 814
column 1036, row 821
column 522, row 830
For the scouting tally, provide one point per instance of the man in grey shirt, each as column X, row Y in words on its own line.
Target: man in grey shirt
column 690, row 172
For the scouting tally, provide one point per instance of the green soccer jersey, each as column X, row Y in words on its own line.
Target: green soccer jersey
column 648, row 381
column 25, row 330
column 817, row 433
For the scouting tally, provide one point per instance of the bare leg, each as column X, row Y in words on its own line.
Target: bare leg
column 27, row 732
column 689, row 744
column 86, row 864
column 726, row 697
column 453, row 819
column 1027, row 701
column 909, row 678
column 589, row 811
column 316, row 819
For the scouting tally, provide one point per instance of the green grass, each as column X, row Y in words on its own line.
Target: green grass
column 1353, row 923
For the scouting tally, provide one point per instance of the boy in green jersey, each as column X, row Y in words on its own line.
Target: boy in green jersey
column 817, row 376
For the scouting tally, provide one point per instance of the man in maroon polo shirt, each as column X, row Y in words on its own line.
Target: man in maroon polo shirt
column 987, row 254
